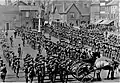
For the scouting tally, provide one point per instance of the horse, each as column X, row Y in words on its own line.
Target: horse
column 106, row 65
column 84, row 66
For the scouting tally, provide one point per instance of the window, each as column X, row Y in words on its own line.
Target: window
column 102, row 8
column 27, row 14
column 102, row 12
column 85, row 5
column 102, row 4
column 72, row 15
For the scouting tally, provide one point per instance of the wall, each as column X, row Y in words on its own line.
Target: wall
column 26, row 20
column 8, row 14
column 94, row 14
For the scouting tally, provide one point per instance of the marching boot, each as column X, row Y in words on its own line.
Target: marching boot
column 112, row 75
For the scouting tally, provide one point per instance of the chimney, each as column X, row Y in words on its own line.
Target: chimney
column 64, row 6
column 7, row 2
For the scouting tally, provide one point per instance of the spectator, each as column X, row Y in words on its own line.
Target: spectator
column 19, row 51
column 6, row 33
column 11, row 41
column 15, row 34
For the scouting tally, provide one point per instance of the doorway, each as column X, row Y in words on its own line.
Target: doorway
column 7, row 26
column 77, row 22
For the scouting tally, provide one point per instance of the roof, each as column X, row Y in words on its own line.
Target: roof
column 103, row 22
column 98, row 21
column 35, row 8
column 19, row 3
column 59, row 7
column 67, row 10
column 68, row 6
column 113, row 2
column 106, row 22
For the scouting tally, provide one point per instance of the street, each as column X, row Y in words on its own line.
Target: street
column 11, row 76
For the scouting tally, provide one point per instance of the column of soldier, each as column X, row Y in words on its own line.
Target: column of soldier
column 58, row 49
column 90, row 39
column 93, row 41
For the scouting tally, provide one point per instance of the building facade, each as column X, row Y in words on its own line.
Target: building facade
column 112, row 10
column 94, row 11
column 70, row 12
column 103, row 4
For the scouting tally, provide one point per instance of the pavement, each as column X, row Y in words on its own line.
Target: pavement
column 11, row 77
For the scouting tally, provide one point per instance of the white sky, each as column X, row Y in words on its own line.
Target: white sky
column 2, row 2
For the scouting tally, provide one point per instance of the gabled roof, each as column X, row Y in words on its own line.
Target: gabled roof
column 68, row 6
column 58, row 7
column 67, row 10
column 16, row 3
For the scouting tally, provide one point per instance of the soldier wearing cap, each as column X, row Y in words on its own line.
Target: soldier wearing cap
column 26, row 72
column 113, row 65
column 17, row 67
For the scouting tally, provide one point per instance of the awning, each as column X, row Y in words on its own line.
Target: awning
column 109, row 21
column 97, row 22
column 104, row 22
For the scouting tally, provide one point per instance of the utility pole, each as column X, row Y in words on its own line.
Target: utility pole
column 39, row 25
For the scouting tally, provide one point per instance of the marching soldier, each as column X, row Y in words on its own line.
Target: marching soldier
column 3, row 72
column 26, row 72
column 114, row 63
column 17, row 67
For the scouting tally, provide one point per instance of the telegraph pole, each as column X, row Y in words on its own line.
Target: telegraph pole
column 39, row 25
